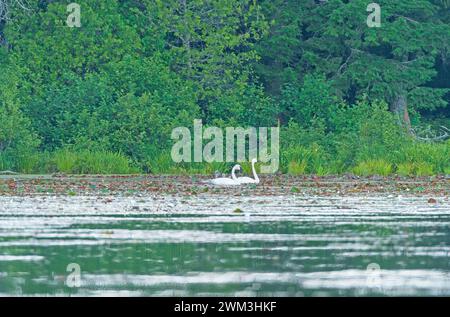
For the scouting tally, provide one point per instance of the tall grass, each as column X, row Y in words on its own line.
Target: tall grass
column 408, row 159
column 301, row 160
column 70, row 162
column 163, row 164
column 24, row 162
column 373, row 167
column 297, row 168
column 405, row 169
column 92, row 162
column 435, row 155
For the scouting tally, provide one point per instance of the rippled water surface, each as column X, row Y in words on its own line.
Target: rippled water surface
column 199, row 246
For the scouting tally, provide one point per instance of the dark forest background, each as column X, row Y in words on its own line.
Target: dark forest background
column 104, row 97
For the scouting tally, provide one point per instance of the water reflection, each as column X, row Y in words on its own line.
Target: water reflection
column 174, row 246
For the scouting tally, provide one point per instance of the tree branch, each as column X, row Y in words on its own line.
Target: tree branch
column 6, row 5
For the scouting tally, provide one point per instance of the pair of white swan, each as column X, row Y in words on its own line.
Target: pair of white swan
column 234, row 181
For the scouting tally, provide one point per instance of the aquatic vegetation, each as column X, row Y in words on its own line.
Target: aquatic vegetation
column 295, row 189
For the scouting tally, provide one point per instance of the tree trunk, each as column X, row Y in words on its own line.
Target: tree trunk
column 400, row 108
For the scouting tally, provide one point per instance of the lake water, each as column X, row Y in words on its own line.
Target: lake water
column 201, row 245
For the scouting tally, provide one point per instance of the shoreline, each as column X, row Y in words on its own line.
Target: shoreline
column 129, row 185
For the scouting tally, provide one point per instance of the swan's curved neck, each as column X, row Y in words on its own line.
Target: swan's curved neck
column 233, row 171
column 254, row 172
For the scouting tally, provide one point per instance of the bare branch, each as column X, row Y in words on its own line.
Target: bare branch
column 406, row 18
column 429, row 135
column 7, row 5
column 344, row 65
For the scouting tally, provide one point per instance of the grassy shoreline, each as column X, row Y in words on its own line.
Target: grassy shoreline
column 408, row 159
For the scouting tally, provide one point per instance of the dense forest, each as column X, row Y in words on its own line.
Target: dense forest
column 105, row 96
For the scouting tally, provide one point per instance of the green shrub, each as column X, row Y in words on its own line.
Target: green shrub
column 18, row 142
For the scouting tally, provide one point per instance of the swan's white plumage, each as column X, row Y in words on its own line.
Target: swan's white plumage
column 225, row 181
column 248, row 180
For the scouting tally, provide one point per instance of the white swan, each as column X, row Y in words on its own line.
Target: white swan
column 225, row 181
column 248, row 180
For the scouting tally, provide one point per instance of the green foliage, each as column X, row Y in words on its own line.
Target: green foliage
column 299, row 160
column 435, row 155
column 91, row 162
column 447, row 170
column 211, row 44
column 424, row 169
column 415, row 169
column 379, row 134
column 312, row 103
column 373, row 167
column 400, row 58
column 297, row 168
column 405, row 169
column 72, row 98
column 366, row 140
column 17, row 141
